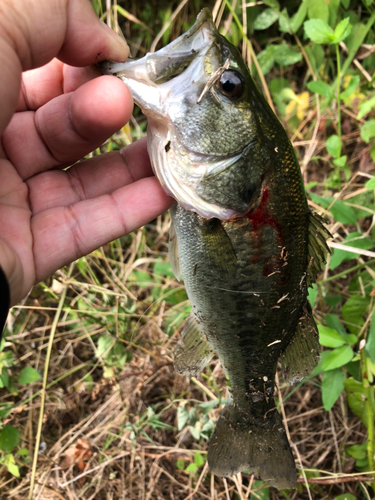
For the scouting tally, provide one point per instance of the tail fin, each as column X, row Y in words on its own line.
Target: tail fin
column 240, row 443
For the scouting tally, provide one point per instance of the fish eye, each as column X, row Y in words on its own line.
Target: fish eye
column 230, row 85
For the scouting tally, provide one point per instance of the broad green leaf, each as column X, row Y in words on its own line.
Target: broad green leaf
column 182, row 417
column 329, row 337
column 198, row 459
column 333, row 146
column 9, row 438
column 366, row 107
column 28, row 375
column 318, row 9
column 352, row 86
column 343, row 213
column 318, row 31
column 191, row 467
column 105, row 344
column 333, row 7
column 274, row 4
column 341, row 161
column 286, row 56
column 320, row 88
column 370, row 344
column 299, row 17
column 353, row 312
column 357, row 397
column 354, row 239
column 284, row 22
column 370, row 184
column 10, row 462
column 265, row 19
column 195, row 432
column 163, row 269
column 345, row 3
column 266, row 59
column 333, row 321
column 345, row 496
column 357, row 451
column 313, row 291
column 338, row 357
column 342, row 30
column 368, row 130
column 332, row 387
column 315, row 53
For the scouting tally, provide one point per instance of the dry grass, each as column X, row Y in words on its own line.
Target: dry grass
column 99, row 438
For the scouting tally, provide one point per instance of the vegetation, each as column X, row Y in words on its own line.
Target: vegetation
column 86, row 367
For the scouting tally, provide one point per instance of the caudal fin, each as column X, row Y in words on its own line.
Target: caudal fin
column 240, row 443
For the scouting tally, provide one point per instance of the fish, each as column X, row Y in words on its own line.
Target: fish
column 242, row 237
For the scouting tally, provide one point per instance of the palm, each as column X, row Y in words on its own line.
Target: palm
column 50, row 216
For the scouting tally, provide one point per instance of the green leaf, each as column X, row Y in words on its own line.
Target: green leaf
column 370, row 184
column 313, row 291
column 354, row 239
column 266, row 59
column 198, row 459
column 9, row 438
column 284, row 22
column 343, row 213
column 163, row 269
column 191, row 467
column 353, row 311
column 318, row 9
column 338, row 357
column 320, row 88
column 298, row 18
column 342, row 30
column 105, row 344
column 182, row 417
column 11, row 465
column 329, row 337
column 318, row 31
column 286, row 56
column 353, row 85
column 333, row 146
column 340, row 162
column 274, row 4
column 368, row 130
column 28, row 375
column 265, row 19
column 357, row 397
column 370, row 344
column 366, row 107
column 345, row 3
column 332, row 387
column 345, row 496
column 357, row 451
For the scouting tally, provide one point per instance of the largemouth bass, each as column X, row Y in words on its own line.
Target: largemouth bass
column 242, row 237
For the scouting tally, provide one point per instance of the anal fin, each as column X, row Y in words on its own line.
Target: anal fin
column 192, row 352
column 301, row 356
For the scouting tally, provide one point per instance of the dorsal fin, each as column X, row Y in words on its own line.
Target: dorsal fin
column 192, row 352
column 317, row 246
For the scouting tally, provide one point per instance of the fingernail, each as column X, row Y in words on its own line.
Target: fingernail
column 119, row 49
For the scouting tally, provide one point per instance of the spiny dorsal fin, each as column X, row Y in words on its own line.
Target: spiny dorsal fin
column 302, row 354
column 174, row 258
column 317, row 246
column 192, row 352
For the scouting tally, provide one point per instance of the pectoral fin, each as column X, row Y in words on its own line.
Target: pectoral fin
column 174, row 258
column 218, row 247
column 192, row 352
column 302, row 354
column 317, row 246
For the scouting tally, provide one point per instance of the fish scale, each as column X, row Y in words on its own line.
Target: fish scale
column 241, row 237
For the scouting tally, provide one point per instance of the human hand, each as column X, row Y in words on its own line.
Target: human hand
column 50, row 118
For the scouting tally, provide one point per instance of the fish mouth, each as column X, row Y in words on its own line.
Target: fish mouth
column 148, row 78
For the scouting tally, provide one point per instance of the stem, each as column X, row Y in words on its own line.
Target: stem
column 44, row 386
column 338, row 92
column 346, row 272
column 370, row 407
